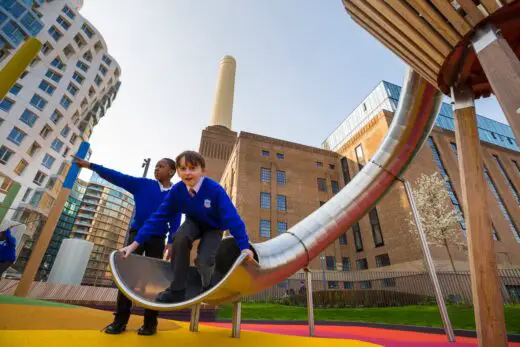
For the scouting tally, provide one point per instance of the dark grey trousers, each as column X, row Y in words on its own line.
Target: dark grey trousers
column 188, row 232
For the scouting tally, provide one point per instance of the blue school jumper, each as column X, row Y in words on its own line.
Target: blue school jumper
column 210, row 208
column 148, row 196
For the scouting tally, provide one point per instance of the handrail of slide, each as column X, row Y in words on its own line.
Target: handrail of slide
column 141, row 278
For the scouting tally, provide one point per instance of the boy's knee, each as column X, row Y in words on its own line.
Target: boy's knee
column 181, row 241
column 204, row 261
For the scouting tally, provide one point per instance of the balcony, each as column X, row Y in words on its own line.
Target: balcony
column 84, row 215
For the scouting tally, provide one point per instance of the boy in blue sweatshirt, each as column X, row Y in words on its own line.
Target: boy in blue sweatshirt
column 7, row 250
column 208, row 210
column 148, row 195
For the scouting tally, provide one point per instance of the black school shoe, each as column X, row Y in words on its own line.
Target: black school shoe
column 171, row 296
column 115, row 328
column 147, row 329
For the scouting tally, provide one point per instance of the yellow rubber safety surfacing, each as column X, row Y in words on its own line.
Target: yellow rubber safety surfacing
column 207, row 336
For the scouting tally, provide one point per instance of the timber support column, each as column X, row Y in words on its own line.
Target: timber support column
column 502, row 69
column 485, row 283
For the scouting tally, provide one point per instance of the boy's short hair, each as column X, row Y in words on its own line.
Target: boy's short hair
column 192, row 158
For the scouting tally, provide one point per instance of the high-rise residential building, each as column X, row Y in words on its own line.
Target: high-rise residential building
column 275, row 183
column 103, row 218
column 96, row 211
column 54, row 105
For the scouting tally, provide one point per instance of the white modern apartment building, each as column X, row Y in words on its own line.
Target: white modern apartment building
column 55, row 104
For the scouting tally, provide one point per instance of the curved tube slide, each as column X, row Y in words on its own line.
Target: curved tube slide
column 141, row 278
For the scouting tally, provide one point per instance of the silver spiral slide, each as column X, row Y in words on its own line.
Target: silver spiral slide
column 141, row 278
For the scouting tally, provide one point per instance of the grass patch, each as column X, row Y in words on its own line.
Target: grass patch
column 15, row 300
column 461, row 316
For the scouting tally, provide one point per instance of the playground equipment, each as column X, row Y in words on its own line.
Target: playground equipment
column 282, row 256
column 469, row 49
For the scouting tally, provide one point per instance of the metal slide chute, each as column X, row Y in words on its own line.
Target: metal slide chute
column 141, row 278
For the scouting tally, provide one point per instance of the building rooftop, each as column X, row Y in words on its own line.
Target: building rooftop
column 385, row 96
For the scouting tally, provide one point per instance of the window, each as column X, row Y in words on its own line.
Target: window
column 69, row 12
column 107, row 60
column 517, row 166
column 265, row 153
column 57, row 63
column 20, row 167
column 80, row 41
column 57, row 145
column 84, row 103
column 72, row 89
column 73, row 138
column 265, row 228
column 56, row 77
column 282, row 227
column 103, row 69
column 343, row 239
column 13, row 32
column 88, row 56
column 55, row 33
column 31, row 23
column 98, row 80
column 322, row 203
column 364, row 107
column 319, row 164
column 332, row 284
column 376, row 228
column 56, row 116
column 510, row 184
column 447, row 181
column 26, row 194
column 360, row 156
column 335, row 187
column 33, row 149
column 365, row 284
column 15, row 89
column 5, row 154
column 65, row 152
column 358, row 241
column 265, row 200
column 78, row 78
column 265, row 175
column 388, row 282
column 28, row 118
column 65, row 102
column 279, row 156
column 348, row 284
column 87, row 30
column 47, row 87
column 39, row 178
column 322, row 184
column 16, row 136
column 281, row 203
column 46, row 48
column 23, row 74
column 38, row 102
column 280, row 177
column 330, row 262
column 382, row 260
column 345, row 262
column 69, row 51
column 91, row 92
column 362, row 264
column 65, row 131
column 332, row 166
column 82, row 66
column 6, row 104
column 64, row 24
column 51, row 183
column 48, row 160
column 501, row 205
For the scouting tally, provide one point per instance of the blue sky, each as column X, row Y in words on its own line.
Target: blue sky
column 302, row 67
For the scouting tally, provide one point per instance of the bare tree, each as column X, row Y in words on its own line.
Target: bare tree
column 438, row 216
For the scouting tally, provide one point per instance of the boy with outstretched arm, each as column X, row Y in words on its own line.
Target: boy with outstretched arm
column 208, row 210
